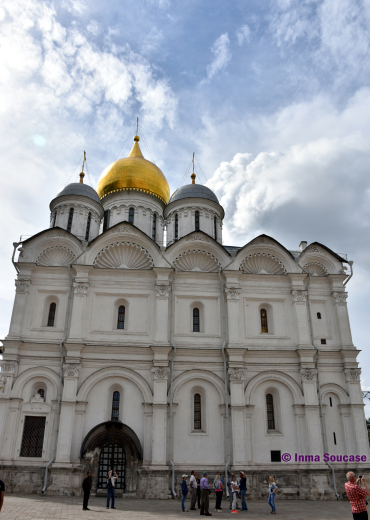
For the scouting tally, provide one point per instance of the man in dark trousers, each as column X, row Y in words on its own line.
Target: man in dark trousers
column 86, row 486
column 2, row 493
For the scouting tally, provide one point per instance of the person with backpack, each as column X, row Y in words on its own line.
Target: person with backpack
column 218, row 487
column 184, row 491
column 243, row 490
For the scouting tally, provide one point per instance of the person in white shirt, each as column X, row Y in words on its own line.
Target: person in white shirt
column 193, row 491
column 111, row 480
column 235, row 491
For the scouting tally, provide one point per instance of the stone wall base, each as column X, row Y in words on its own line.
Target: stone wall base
column 315, row 484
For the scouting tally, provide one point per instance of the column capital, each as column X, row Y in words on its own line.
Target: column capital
column 9, row 367
column 236, row 374
column 339, row 297
column 308, row 374
column 80, row 288
column 232, row 293
column 352, row 374
column 71, row 369
column 22, row 286
column 162, row 290
column 160, row 372
column 299, row 296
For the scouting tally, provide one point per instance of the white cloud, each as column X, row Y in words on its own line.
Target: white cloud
column 243, row 34
column 152, row 41
column 78, row 7
column 94, row 27
column 222, row 55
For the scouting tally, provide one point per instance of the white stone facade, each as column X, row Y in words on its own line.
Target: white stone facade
column 82, row 359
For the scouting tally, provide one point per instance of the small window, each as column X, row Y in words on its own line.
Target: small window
column 131, row 214
column 197, row 221
column 54, row 218
column 323, row 342
column 319, row 315
column 70, row 219
column 88, row 226
column 33, row 436
column 196, row 321
column 121, row 317
column 330, row 401
column 215, row 227
column 51, row 317
column 176, row 226
column 115, row 406
column 154, row 226
column 275, row 456
column 106, row 220
column 270, row 412
column 197, row 412
column 41, row 391
column 264, row 327
column 335, row 438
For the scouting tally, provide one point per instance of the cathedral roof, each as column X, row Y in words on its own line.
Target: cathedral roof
column 77, row 188
column 194, row 191
column 134, row 173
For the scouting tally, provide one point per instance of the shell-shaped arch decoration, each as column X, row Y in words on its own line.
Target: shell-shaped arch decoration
column 262, row 263
column 124, row 255
column 197, row 260
column 55, row 256
column 316, row 269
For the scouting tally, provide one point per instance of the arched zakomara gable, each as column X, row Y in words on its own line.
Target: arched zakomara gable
column 316, row 256
column 271, row 376
column 189, row 375
column 30, row 376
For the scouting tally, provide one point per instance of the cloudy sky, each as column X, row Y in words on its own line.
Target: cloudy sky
column 273, row 97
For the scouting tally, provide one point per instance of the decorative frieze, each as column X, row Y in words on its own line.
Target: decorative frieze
column 308, row 374
column 8, row 367
column 22, row 285
column 340, row 297
column 160, row 372
column 233, row 293
column 163, row 291
column 299, row 296
column 197, row 236
column 236, row 374
column 352, row 374
column 80, row 288
column 125, row 229
column 313, row 249
column 71, row 369
column 262, row 241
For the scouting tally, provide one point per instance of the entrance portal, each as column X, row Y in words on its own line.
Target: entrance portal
column 112, row 456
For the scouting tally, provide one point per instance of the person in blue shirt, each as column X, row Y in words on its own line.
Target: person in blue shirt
column 184, row 490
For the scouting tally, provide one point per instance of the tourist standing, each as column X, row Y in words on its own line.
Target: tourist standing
column 204, row 489
column 218, row 487
column 199, row 496
column 272, row 491
column 184, row 491
column 193, row 491
column 111, row 480
column 356, row 495
column 231, row 491
column 243, row 490
column 86, row 486
column 2, row 493
column 235, row 491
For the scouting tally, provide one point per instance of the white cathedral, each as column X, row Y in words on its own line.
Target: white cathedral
column 158, row 357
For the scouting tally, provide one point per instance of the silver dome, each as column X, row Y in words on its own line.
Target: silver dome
column 77, row 188
column 193, row 191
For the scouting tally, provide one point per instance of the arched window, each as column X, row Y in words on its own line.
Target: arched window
column 197, row 221
column 197, row 412
column 196, row 322
column 106, row 220
column 264, row 327
column 215, row 227
column 121, row 317
column 131, row 215
column 154, row 226
column 319, row 315
column 41, row 392
column 176, row 226
column 115, row 406
column 270, row 412
column 88, row 226
column 51, row 316
column 70, row 218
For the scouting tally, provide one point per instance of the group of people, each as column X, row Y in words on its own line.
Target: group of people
column 110, row 485
column 200, row 489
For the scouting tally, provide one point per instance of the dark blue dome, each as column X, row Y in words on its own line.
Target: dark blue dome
column 193, row 191
column 77, row 188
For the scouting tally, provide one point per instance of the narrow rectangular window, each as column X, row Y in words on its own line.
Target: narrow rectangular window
column 106, row 220
column 51, row 316
column 88, row 226
column 275, row 456
column 331, row 403
column 335, row 438
column 319, row 315
column 196, row 321
column 70, row 219
column 197, row 412
column 115, row 406
column 197, row 221
column 264, row 327
column 270, row 412
column 215, row 227
column 131, row 214
column 176, row 226
column 33, row 436
column 121, row 318
column 55, row 218
column 154, row 227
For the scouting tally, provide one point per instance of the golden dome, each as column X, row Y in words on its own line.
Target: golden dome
column 134, row 173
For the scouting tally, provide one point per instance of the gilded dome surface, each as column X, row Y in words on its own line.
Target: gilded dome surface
column 134, row 173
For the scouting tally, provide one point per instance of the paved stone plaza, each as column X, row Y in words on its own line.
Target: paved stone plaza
column 34, row 507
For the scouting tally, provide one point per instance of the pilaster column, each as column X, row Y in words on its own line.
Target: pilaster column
column 352, row 376
column 22, row 287
column 249, row 433
column 237, row 377
column 11, row 428
column 162, row 305
column 80, row 289
column 80, row 410
column 299, row 412
column 67, row 414
column 312, row 411
column 148, row 428
column 232, row 299
column 349, row 434
column 341, row 311
column 161, row 373
column 299, row 299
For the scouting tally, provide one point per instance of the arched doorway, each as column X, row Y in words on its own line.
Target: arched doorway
column 112, row 456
